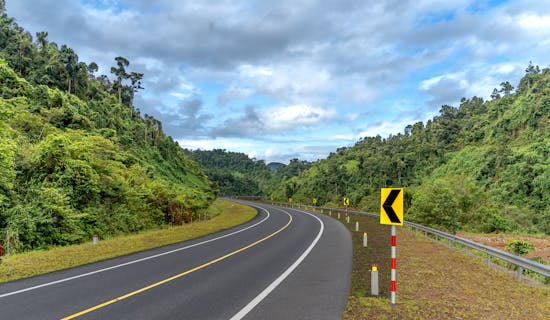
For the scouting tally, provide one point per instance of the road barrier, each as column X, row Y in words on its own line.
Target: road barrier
column 491, row 254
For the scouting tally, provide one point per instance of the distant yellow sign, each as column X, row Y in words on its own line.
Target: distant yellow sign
column 346, row 201
column 391, row 206
column 314, row 200
column 289, row 199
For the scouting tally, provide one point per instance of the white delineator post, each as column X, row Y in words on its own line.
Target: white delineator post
column 393, row 265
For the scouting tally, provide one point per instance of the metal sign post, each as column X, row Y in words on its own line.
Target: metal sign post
column 393, row 265
column 391, row 212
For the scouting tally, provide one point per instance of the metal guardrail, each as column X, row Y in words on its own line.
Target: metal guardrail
column 490, row 252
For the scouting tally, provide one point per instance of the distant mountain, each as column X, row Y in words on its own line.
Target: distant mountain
column 276, row 166
column 233, row 172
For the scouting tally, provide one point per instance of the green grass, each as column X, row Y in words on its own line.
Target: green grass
column 223, row 214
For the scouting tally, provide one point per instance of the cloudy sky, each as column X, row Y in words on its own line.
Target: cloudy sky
column 296, row 78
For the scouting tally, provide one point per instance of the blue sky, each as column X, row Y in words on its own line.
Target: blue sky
column 298, row 79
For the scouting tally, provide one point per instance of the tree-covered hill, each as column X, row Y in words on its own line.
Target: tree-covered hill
column 236, row 174
column 233, row 172
column 483, row 166
column 76, row 156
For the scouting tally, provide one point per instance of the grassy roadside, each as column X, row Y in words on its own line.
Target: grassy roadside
column 225, row 214
column 434, row 282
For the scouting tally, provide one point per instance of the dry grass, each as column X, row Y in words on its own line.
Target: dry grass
column 541, row 243
column 224, row 215
column 435, row 282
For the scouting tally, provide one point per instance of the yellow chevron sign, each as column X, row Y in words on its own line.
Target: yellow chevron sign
column 391, row 206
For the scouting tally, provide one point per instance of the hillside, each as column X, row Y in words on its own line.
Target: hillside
column 483, row 166
column 76, row 156
column 236, row 174
column 233, row 172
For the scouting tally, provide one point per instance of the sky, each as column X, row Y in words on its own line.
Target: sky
column 288, row 79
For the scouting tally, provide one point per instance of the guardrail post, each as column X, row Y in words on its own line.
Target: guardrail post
column 488, row 259
column 520, row 273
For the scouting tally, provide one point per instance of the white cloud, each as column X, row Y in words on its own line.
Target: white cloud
column 283, row 118
column 316, row 62
column 535, row 23
column 252, row 154
column 385, row 128
column 251, row 71
column 220, row 143
column 345, row 137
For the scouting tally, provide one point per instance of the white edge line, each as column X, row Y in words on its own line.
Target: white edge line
column 133, row 261
column 252, row 304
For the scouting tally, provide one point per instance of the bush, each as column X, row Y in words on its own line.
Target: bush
column 435, row 204
column 519, row 247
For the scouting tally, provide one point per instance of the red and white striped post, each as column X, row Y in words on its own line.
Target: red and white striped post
column 393, row 265
column 391, row 212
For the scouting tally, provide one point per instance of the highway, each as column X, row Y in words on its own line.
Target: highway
column 283, row 264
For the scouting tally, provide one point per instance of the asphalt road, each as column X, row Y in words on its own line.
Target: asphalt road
column 284, row 264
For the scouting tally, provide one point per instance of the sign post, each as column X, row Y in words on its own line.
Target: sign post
column 391, row 213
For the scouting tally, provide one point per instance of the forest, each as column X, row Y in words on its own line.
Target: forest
column 483, row 166
column 236, row 174
column 76, row 156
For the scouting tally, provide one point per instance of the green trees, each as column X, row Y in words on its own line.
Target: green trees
column 76, row 160
column 494, row 154
column 234, row 173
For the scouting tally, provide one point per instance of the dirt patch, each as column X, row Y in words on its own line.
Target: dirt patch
column 541, row 244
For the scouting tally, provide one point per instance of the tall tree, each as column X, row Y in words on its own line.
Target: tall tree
column 70, row 60
column 121, row 74
column 135, row 79
column 506, row 88
column 41, row 40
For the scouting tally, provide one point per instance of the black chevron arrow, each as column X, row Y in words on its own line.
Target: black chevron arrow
column 388, row 206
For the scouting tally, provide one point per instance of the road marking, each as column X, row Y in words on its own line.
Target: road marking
column 134, row 261
column 252, row 304
column 211, row 262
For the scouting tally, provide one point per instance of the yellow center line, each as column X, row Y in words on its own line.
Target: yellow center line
column 104, row 304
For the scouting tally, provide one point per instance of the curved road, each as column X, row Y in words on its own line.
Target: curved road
column 284, row 264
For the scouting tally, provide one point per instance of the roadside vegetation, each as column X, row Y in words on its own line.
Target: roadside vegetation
column 221, row 215
column 433, row 281
column 76, row 155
